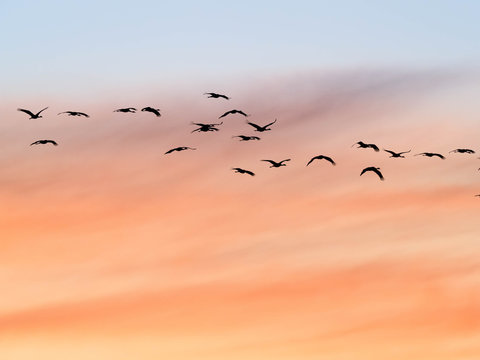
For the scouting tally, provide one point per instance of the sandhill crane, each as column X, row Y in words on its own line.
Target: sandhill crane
column 463, row 151
column 180, row 148
column 277, row 164
column 126, row 110
column 246, row 138
column 376, row 170
column 362, row 145
column 262, row 128
column 44, row 142
column 32, row 115
column 393, row 154
column 243, row 171
column 152, row 110
column 74, row 113
column 206, row 127
column 428, row 154
column 233, row 112
column 320, row 157
column 216, row 96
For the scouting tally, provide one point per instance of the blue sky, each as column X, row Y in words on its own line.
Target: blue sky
column 51, row 45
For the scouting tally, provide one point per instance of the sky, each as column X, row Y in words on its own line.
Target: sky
column 111, row 249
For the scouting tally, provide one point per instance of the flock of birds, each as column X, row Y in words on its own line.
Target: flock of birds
column 212, row 127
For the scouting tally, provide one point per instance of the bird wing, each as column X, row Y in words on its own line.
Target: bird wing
column 311, row 160
column 364, row 171
column 26, row 112
column 225, row 97
column 374, row 147
column 35, row 143
column 270, row 161
column 440, row 156
column 270, row 124
column 254, row 125
column 83, row 114
column 284, row 161
column 41, row 111
column 376, row 171
column 52, row 142
column 228, row 112
column 405, row 152
column 329, row 159
column 391, row 152
column 241, row 112
column 170, row 151
column 249, row 172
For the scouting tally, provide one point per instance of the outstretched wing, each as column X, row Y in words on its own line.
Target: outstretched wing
column 224, row 96
column 228, row 112
column 171, row 150
column 41, row 111
column 312, row 159
column 254, row 125
column 241, row 112
column 26, row 112
column 391, row 152
column 405, row 152
column 281, row 162
column 440, row 156
column 52, row 142
column 83, row 114
column 270, row 161
column 266, row 126
column 374, row 147
column 249, row 172
column 376, row 171
column 329, row 159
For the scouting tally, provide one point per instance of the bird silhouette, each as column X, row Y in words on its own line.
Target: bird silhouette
column 243, row 171
column 463, row 151
column 277, row 164
column 428, row 154
column 246, row 138
column 233, row 112
column 126, row 110
column 393, row 154
column 216, row 96
column 320, row 157
column 74, row 113
column 44, row 142
column 152, row 110
column 362, row 145
column 32, row 115
column 376, row 170
column 180, row 148
column 206, row 127
column 261, row 128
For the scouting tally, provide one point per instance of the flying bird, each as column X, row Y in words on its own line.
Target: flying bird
column 463, row 151
column 277, row 164
column 216, row 96
column 261, row 128
column 376, row 170
column 362, row 145
column 74, row 113
column 126, row 110
column 320, row 157
column 32, row 115
column 393, row 154
column 206, row 127
column 180, row 148
column 233, row 112
column 428, row 154
column 246, row 138
column 152, row 110
column 44, row 142
column 243, row 171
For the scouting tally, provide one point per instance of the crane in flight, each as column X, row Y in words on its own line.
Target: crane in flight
column 362, row 145
column 277, row 164
column 376, row 170
column 180, row 148
column 234, row 112
column 32, row 115
column 246, row 138
column 320, row 157
column 262, row 128
column 126, row 110
column 216, row 96
column 393, row 154
column 74, row 113
column 428, row 154
column 463, row 151
column 206, row 127
column 152, row 110
column 38, row 142
column 243, row 171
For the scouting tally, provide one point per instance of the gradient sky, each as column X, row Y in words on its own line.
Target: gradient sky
column 112, row 250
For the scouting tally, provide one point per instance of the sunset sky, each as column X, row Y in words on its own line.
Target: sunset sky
column 112, row 250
